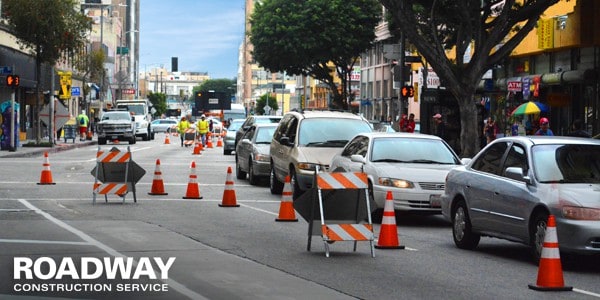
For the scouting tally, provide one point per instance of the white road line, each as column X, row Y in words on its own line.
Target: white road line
column 91, row 183
column 259, row 209
column 138, row 198
column 13, row 241
column 172, row 283
column 587, row 293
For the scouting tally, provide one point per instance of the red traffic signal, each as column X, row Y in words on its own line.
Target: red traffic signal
column 407, row 91
column 12, row 80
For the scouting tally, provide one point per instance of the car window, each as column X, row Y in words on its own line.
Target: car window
column 291, row 130
column 283, row 126
column 249, row 133
column 267, row 120
column 330, row 132
column 411, row 150
column 490, row 160
column 516, row 157
column 567, row 163
column 234, row 126
column 355, row 146
column 264, row 135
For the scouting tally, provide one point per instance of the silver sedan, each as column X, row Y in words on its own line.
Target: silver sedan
column 511, row 187
column 252, row 152
column 410, row 165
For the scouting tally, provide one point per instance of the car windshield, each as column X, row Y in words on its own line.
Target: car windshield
column 566, row 163
column 116, row 116
column 235, row 126
column 267, row 120
column 264, row 135
column 329, row 132
column 412, row 150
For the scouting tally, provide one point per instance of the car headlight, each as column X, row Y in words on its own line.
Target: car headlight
column 393, row 182
column 581, row 213
column 261, row 157
column 306, row 166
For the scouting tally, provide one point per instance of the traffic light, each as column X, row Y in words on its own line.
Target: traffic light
column 407, row 91
column 12, row 80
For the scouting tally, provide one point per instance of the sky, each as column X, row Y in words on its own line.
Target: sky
column 205, row 35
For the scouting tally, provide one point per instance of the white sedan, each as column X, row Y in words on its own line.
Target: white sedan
column 412, row 166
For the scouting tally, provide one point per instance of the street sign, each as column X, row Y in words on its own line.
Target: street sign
column 61, row 115
column 6, row 70
column 64, row 92
column 75, row 91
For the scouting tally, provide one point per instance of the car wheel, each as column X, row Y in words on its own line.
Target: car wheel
column 239, row 173
column 226, row 152
column 537, row 234
column 101, row 141
column 462, row 233
column 275, row 185
column 132, row 140
column 296, row 191
column 253, row 179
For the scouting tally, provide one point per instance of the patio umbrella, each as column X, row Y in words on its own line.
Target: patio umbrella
column 528, row 108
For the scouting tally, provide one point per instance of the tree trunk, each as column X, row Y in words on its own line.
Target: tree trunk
column 469, row 128
column 37, row 107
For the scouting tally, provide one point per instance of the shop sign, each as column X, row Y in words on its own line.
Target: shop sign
column 514, row 86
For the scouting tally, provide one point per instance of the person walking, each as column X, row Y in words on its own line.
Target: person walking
column 440, row 126
column 410, row 124
column 403, row 123
column 577, row 130
column 83, row 121
column 544, row 128
column 182, row 126
column 489, row 130
column 203, row 127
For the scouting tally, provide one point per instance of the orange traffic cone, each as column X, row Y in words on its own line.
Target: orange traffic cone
column 550, row 275
column 167, row 140
column 209, row 143
column 197, row 149
column 388, row 233
column 193, row 191
column 46, row 177
column 229, row 198
column 220, row 142
column 286, row 207
column 158, row 187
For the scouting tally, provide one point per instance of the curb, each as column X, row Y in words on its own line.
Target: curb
column 39, row 151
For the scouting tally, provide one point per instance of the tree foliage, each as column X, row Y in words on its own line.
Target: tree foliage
column 48, row 29
column 262, row 102
column 91, row 68
column 159, row 102
column 490, row 29
column 317, row 38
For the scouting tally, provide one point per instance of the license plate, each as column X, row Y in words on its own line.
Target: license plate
column 435, row 200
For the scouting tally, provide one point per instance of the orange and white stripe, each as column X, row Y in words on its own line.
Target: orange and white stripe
column 342, row 180
column 113, row 156
column 347, row 232
column 110, row 188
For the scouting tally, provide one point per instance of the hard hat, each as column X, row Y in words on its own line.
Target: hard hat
column 544, row 121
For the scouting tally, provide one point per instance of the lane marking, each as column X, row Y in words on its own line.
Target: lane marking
column 587, row 293
column 13, row 241
column 176, row 285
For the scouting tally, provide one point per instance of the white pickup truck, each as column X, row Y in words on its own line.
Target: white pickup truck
column 140, row 109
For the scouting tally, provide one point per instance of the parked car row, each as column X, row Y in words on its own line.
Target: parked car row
column 506, row 191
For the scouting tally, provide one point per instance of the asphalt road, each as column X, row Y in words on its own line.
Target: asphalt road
column 235, row 252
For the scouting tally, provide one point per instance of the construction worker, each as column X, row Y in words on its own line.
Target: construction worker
column 83, row 121
column 202, row 127
column 182, row 127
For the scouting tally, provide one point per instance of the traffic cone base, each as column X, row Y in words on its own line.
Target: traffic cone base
column 193, row 191
column 286, row 207
column 158, row 187
column 46, row 176
column 229, row 198
column 550, row 274
column 388, row 234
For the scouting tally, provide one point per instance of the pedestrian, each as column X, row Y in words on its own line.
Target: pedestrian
column 490, row 130
column 403, row 123
column 577, row 129
column 202, row 126
column 182, row 127
column 440, row 126
column 514, row 128
column 544, row 130
column 83, row 121
column 410, row 124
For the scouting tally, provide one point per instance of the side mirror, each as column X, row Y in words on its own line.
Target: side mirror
column 245, row 141
column 284, row 140
column 133, row 119
column 516, row 173
column 357, row 158
column 465, row 160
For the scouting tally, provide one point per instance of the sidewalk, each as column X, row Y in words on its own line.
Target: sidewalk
column 60, row 145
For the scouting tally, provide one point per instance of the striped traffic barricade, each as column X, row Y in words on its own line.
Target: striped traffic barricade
column 115, row 174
